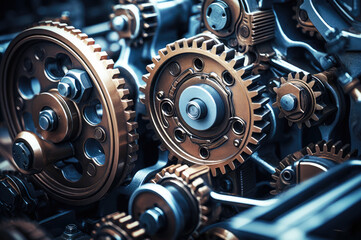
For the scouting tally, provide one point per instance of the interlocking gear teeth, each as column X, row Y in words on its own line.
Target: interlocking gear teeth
column 235, row 65
column 123, row 225
column 330, row 150
column 195, row 178
column 307, row 108
column 148, row 22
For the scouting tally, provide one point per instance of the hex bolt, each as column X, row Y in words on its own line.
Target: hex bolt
column 75, row 85
column 288, row 102
column 64, row 89
column 196, row 109
column 71, row 229
column 152, row 220
column 22, row 155
column 48, row 120
column 119, row 23
column 218, row 15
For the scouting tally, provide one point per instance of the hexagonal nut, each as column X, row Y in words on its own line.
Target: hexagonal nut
column 80, row 84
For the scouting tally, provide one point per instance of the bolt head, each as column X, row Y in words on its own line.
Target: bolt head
column 64, row 89
column 22, row 155
column 152, row 220
column 218, row 15
column 47, row 120
column 288, row 102
column 119, row 23
column 196, row 109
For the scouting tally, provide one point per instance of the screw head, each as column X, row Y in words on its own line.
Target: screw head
column 288, row 102
column 218, row 15
column 71, row 229
column 22, row 155
column 47, row 120
column 64, row 89
column 196, row 109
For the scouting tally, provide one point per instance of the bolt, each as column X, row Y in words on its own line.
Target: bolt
column 196, row 109
column 174, row 69
column 152, row 220
column 64, row 89
column 160, row 94
column 47, row 120
column 236, row 143
column 99, row 134
column 288, row 102
column 22, row 155
column 218, row 15
column 287, row 174
column 119, row 23
column 71, row 229
column 244, row 31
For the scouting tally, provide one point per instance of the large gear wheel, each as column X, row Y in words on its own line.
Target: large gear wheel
column 59, row 86
column 118, row 226
column 136, row 20
column 190, row 95
column 334, row 152
column 299, row 99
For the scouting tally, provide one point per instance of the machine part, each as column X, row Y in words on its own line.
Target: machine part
column 234, row 20
column 176, row 205
column 299, row 99
column 226, row 133
column 293, row 170
column 95, row 118
column 303, row 22
column 118, row 226
column 18, row 229
column 18, row 195
column 134, row 19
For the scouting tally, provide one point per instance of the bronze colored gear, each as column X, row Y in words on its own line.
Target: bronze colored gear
column 118, row 226
column 44, row 53
column 140, row 20
column 195, row 179
column 335, row 152
column 200, row 62
column 307, row 104
column 303, row 22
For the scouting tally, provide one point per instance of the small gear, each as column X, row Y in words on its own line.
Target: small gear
column 190, row 95
column 335, row 152
column 57, row 83
column 135, row 20
column 118, row 226
column 303, row 22
column 299, row 99
column 196, row 179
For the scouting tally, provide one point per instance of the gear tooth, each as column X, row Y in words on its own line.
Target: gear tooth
column 305, row 78
column 262, row 102
column 132, row 137
column 150, row 68
column 299, row 125
column 290, row 76
column 96, row 48
column 132, row 126
column 82, row 36
column 108, row 63
column 254, row 141
column 197, row 43
column 218, row 49
column 69, row 28
column 170, row 48
column 312, row 83
column 317, row 94
column 130, row 115
column 240, row 159
column 119, row 82
column 127, row 104
column 319, row 107
column 248, row 151
column 283, row 80
column 213, row 171
column 314, row 117
column 142, row 100
column 228, row 54
column 142, row 89
column 297, row 75
column 309, row 151
column 145, row 78
column 185, row 43
column 156, row 59
column 222, row 169
column 102, row 55
column 274, row 192
column 208, row 44
column 75, row 31
column 275, row 89
column 231, row 165
column 123, row 93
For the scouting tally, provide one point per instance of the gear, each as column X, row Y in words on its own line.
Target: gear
column 135, row 20
column 303, row 22
column 190, row 96
column 179, row 193
column 335, row 152
column 90, row 112
column 118, row 226
column 299, row 99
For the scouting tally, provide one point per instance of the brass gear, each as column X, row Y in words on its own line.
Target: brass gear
column 303, row 22
column 140, row 20
column 306, row 99
column 195, row 178
column 187, row 63
column 118, row 225
column 44, row 53
column 335, row 152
